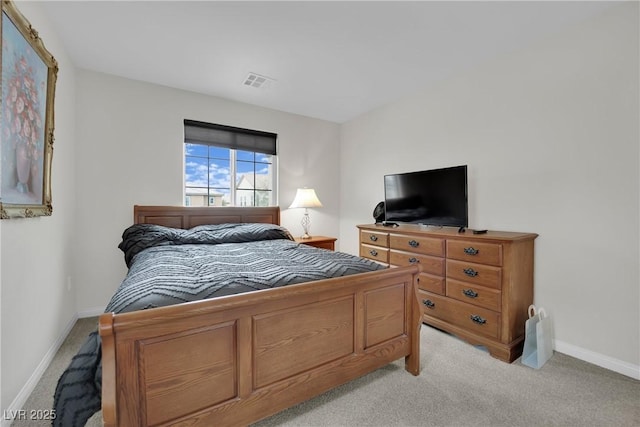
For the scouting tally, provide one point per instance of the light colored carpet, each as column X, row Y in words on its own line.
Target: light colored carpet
column 459, row 385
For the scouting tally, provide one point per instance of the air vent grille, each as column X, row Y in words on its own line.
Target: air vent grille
column 257, row 81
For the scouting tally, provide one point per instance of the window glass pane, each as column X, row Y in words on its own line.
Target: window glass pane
column 197, row 196
column 219, row 174
column 245, row 155
column 264, row 158
column 219, row 152
column 246, row 181
column 195, row 150
column 263, row 182
column 195, row 171
column 245, row 167
column 220, row 197
column 263, row 198
column 244, row 198
column 245, row 175
column 264, row 178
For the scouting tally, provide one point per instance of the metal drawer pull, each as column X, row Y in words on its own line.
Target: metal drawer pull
column 373, row 252
column 374, row 238
column 414, row 244
column 429, row 303
column 413, row 260
column 477, row 319
column 470, row 293
column 471, row 251
column 470, row 272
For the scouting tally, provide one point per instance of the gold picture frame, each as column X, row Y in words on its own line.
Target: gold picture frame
column 29, row 74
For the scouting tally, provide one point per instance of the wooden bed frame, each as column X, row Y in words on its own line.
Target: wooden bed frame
column 237, row 359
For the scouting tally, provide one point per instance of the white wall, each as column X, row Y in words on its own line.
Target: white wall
column 130, row 152
column 550, row 136
column 37, row 307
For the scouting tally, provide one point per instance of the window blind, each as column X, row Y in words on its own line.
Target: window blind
column 196, row 132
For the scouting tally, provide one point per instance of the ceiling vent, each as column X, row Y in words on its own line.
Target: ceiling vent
column 258, row 81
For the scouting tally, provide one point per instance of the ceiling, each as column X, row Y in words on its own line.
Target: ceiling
column 328, row 59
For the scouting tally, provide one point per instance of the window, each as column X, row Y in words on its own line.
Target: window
column 228, row 166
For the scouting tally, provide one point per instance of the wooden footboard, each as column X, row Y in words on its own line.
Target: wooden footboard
column 235, row 360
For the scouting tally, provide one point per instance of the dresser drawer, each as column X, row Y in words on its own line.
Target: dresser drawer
column 375, row 253
column 373, row 238
column 477, row 295
column 468, row 316
column 479, row 252
column 421, row 245
column 477, row 274
column 430, row 283
column 429, row 264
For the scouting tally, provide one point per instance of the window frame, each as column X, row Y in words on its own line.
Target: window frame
column 267, row 142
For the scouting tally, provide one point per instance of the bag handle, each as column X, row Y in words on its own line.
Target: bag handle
column 540, row 311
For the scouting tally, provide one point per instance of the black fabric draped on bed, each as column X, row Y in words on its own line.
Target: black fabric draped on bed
column 171, row 266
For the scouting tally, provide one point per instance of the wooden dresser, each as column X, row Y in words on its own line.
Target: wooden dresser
column 475, row 286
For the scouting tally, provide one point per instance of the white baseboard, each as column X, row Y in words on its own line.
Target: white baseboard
column 20, row 400
column 619, row 366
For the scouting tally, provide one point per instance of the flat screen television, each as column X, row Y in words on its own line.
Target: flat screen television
column 429, row 197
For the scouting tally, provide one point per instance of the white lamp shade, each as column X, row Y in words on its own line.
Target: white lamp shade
column 306, row 198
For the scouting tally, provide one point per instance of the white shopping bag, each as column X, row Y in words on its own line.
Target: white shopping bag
column 538, row 342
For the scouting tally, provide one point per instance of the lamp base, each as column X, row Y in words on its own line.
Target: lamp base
column 305, row 224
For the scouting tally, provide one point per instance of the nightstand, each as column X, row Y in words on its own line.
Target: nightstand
column 323, row 242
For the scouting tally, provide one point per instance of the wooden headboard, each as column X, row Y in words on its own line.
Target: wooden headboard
column 187, row 217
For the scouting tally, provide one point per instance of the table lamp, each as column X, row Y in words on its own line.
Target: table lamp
column 306, row 198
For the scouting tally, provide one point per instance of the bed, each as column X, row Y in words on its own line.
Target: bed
column 235, row 359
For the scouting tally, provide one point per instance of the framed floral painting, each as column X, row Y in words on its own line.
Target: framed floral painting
column 29, row 74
